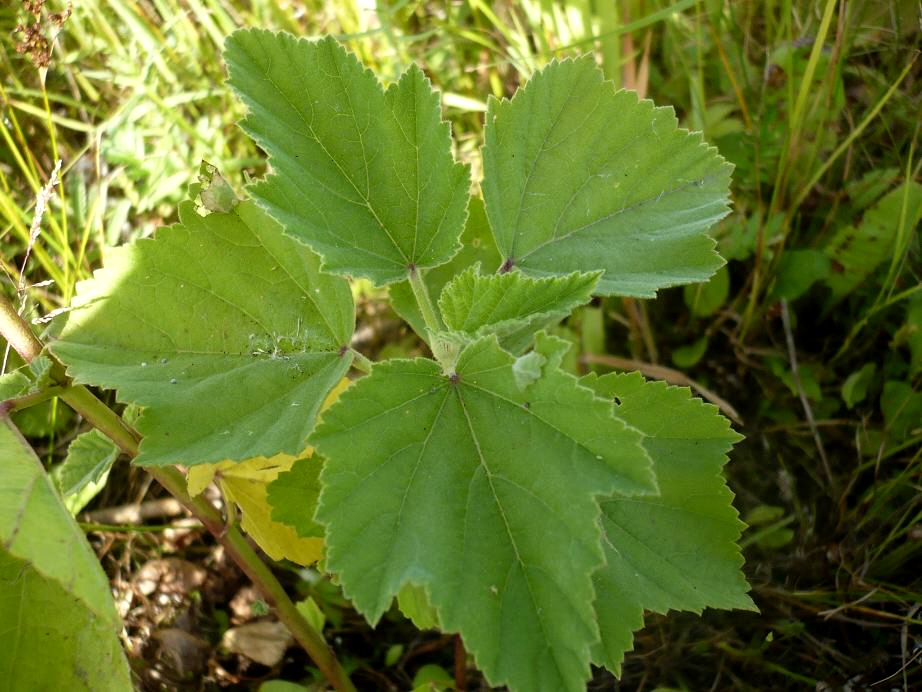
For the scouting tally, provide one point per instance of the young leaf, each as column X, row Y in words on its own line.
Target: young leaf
column 363, row 176
column 675, row 551
column 84, row 471
column 580, row 177
column 53, row 594
column 477, row 245
column 485, row 494
column 502, row 304
column 246, row 483
column 231, row 358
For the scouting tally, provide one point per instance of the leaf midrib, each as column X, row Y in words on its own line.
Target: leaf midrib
column 509, row 534
column 326, row 151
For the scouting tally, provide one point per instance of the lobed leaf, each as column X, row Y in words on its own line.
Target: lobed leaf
column 676, row 550
column 485, row 494
column 293, row 496
column 580, row 177
column 231, row 358
column 362, row 175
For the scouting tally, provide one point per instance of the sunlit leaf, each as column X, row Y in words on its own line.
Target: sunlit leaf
column 222, row 328
column 362, row 175
column 54, row 596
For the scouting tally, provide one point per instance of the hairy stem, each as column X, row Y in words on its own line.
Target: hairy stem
column 430, row 317
column 93, row 410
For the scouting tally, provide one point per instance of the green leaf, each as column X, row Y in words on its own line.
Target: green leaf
column 914, row 334
column 706, row 298
column 687, row 356
column 231, row 358
column 677, row 550
column 35, row 527
column 857, row 251
column 477, row 245
column 15, row 383
column 293, row 496
column 797, row 271
column 312, row 613
column 581, row 177
column 414, row 604
column 855, row 387
column 51, row 586
column 363, row 176
column 504, row 304
column 84, row 471
column 486, row 495
column 50, row 640
column 215, row 193
column 902, row 409
column 25, row 379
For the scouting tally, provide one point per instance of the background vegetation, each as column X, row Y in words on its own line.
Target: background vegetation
column 810, row 338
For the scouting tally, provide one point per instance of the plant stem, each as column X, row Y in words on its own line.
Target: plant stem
column 17, row 333
column 29, row 400
column 430, row 317
column 93, row 410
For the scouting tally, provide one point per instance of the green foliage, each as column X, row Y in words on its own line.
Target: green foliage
column 675, row 550
column 578, row 176
column 427, row 474
column 485, row 456
column 85, row 469
column 363, row 176
column 219, row 307
column 512, row 306
column 51, row 586
column 857, row 251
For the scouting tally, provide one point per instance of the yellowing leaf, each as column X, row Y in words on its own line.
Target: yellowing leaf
column 277, row 540
column 246, row 484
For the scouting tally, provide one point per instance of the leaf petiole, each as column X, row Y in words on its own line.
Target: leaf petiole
column 360, row 362
column 430, row 317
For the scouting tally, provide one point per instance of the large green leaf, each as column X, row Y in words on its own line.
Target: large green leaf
column 580, row 177
column 502, row 303
column 484, row 491
column 50, row 640
column 222, row 327
column 363, row 176
column 55, row 604
column 676, row 550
